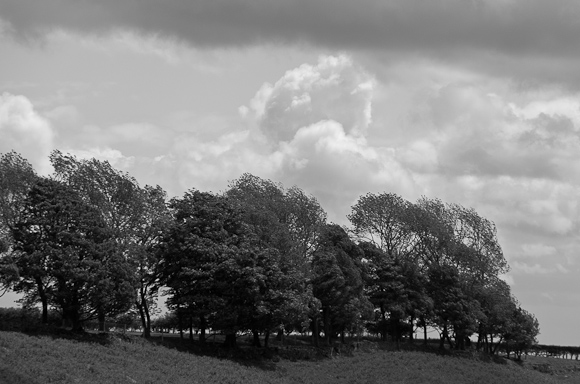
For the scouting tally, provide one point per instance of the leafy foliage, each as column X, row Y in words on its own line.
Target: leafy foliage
column 64, row 255
column 261, row 258
column 338, row 282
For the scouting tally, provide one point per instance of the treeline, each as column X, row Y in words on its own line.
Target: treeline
column 91, row 243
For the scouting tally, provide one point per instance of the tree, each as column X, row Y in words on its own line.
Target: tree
column 383, row 220
column 16, row 178
column 522, row 335
column 200, row 238
column 288, row 220
column 153, row 218
column 454, row 310
column 113, row 193
column 498, row 306
column 433, row 227
column 338, row 282
column 477, row 248
column 64, row 256
column 134, row 215
column 397, row 290
column 218, row 272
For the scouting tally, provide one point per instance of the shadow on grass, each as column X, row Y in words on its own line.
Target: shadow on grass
column 244, row 353
column 295, row 348
column 102, row 338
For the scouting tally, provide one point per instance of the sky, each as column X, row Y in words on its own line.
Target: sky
column 475, row 102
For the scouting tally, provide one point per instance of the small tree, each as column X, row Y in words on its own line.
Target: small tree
column 16, row 179
column 498, row 306
column 453, row 309
column 338, row 283
column 522, row 333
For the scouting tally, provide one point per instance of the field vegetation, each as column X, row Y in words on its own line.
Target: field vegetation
column 118, row 358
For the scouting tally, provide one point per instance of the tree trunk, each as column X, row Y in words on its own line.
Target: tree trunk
column 443, row 337
column 460, row 339
column 383, row 324
column 101, row 318
column 451, row 345
column 231, row 341
column 266, row 338
column 326, row 323
column 191, row 329
column 202, row 327
column 73, row 316
column 487, row 348
column 396, row 333
column 315, row 331
column 493, row 350
column 480, row 337
column 143, row 320
column 43, row 300
column 147, row 327
column 424, row 331
column 411, row 331
column 180, row 323
column 256, row 341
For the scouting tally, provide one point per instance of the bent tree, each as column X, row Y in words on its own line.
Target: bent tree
column 337, row 281
column 134, row 216
column 16, row 178
column 64, row 255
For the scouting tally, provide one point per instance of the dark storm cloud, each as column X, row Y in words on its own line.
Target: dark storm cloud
column 534, row 27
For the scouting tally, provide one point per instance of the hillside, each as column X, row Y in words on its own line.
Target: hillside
column 121, row 359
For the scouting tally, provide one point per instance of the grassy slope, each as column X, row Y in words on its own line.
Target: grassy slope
column 28, row 359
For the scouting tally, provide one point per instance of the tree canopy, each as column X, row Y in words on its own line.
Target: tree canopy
column 89, row 241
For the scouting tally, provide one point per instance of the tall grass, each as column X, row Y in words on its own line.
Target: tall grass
column 44, row 359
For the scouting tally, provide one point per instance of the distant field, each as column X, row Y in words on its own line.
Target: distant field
column 121, row 359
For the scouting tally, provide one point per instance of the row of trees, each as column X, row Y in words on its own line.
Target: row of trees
column 92, row 243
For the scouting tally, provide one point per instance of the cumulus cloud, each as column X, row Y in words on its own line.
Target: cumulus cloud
column 24, row 130
column 334, row 89
column 309, row 128
column 510, row 155
column 336, row 130
column 314, row 121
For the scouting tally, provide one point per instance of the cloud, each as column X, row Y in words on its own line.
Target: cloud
column 537, row 269
column 314, row 121
column 308, row 128
column 337, row 167
column 515, row 26
column 335, row 88
column 338, row 131
column 113, row 156
column 525, row 39
column 537, row 250
column 22, row 129
column 132, row 139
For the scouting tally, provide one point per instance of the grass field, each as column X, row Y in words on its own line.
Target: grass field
column 123, row 359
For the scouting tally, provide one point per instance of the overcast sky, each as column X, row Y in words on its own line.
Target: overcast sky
column 475, row 102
